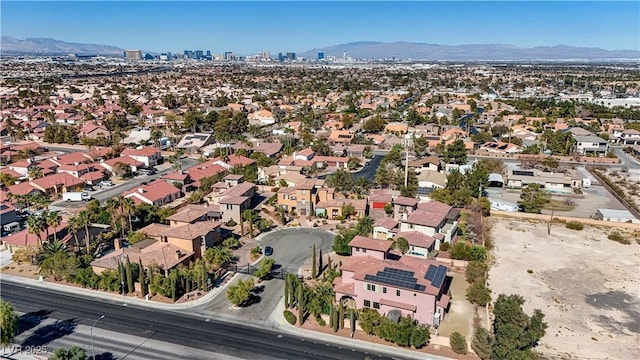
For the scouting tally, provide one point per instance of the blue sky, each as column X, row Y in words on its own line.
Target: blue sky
column 247, row 27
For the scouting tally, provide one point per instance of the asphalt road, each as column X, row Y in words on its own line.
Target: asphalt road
column 369, row 171
column 107, row 193
column 231, row 339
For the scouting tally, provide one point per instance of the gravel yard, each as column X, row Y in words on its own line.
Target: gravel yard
column 587, row 286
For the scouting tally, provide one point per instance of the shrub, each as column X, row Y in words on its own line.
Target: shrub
column 232, row 223
column 291, row 319
column 458, row 343
column 444, row 246
column 617, row 237
column 529, row 271
column 321, row 321
column 575, row 225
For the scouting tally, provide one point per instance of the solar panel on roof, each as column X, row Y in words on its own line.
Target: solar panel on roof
column 439, row 277
column 431, row 272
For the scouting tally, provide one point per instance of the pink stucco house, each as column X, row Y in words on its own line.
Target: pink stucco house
column 408, row 286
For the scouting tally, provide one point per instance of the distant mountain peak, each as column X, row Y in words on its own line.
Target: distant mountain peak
column 469, row 52
column 48, row 46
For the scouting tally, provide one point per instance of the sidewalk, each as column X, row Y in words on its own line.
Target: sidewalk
column 277, row 318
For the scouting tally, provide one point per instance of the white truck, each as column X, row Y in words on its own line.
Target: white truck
column 76, row 196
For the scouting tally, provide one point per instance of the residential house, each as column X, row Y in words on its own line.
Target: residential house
column 429, row 180
column 501, row 148
column 398, row 128
column 194, row 142
column 261, row 118
column 404, row 205
column 301, row 199
column 110, row 165
column 149, row 252
column 630, row 137
column 379, row 200
column 552, row 182
column 433, row 218
column 93, row 131
column 426, row 163
column 234, row 196
column 178, row 177
column 591, row 145
column 58, row 183
column 24, row 239
column 409, row 286
column 333, row 208
column 385, row 228
column 420, row 244
column 7, row 213
column 155, row 193
column 340, row 137
column 148, row 155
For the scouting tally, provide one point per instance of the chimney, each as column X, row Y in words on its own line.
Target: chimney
column 141, row 190
column 116, row 244
column 178, row 254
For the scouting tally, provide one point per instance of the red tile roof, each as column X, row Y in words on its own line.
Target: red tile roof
column 371, row 244
column 56, row 180
column 145, row 151
column 22, row 189
column 153, row 191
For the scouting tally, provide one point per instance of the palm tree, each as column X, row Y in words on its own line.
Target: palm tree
column 128, row 207
column 83, row 222
column 249, row 216
column 218, row 257
column 53, row 219
column 35, row 226
column 112, row 206
column 75, row 226
column 51, row 248
column 35, row 173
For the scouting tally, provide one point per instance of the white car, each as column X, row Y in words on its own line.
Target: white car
column 106, row 183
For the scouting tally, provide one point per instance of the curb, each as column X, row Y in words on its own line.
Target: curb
column 116, row 297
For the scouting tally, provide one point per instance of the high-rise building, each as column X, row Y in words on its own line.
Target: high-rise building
column 133, row 54
column 320, row 56
column 228, row 55
column 291, row 56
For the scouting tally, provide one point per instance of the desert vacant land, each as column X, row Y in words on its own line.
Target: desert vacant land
column 587, row 286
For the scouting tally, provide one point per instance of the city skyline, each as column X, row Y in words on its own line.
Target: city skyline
column 250, row 27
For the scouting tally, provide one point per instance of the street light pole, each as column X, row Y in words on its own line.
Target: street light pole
column 93, row 350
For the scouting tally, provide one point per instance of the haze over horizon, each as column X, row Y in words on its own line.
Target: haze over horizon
column 250, row 27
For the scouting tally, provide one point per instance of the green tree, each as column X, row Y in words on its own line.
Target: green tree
column 266, row 265
column 341, row 243
column 374, row 125
column 239, row 294
column 476, row 271
column 314, row 263
column 73, row 353
column 142, row 278
column 458, row 343
column 533, row 198
column 420, row 336
column 53, row 220
column 8, row 323
column 7, row 180
column 388, row 208
column 250, row 216
column 516, row 333
column 482, row 343
column 35, row 173
column 348, row 210
column 401, row 244
column 36, row 225
column 455, row 153
column 478, row 294
column 365, row 226
column 84, row 221
column 129, row 276
column 301, row 303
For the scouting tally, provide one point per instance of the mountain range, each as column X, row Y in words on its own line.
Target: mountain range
column 486, row 52
column 362, row 50
column 46, row 46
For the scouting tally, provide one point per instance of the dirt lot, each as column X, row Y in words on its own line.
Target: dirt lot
column 587, row 286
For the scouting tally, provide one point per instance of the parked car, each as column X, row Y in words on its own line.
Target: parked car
column 106, row 183
column 268, row 250
column 146, row 171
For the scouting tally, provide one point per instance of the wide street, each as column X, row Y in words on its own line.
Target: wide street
column 206, row 334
